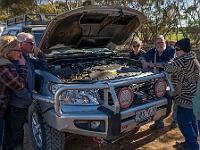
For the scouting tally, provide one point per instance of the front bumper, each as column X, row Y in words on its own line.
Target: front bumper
column 112, row 125
column 112, row 119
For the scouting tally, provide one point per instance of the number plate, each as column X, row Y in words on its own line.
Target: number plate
column 145, row 113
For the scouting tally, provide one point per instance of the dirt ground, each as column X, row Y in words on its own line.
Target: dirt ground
column 144, row 139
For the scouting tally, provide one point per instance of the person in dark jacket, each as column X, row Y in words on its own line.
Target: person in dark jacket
column 137, row 51
column 158, row 56
column 184, row 70
column 10, row 78
column 15, row 116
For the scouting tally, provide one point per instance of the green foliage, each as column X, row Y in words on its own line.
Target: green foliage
column 174, row 37
column 47, row 9
column 3, row 18
column 164, row 16
column 7, row 3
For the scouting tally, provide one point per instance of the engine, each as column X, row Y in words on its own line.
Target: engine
column 94, row 69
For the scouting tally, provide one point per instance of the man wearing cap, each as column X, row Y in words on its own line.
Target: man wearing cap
column 184, row 70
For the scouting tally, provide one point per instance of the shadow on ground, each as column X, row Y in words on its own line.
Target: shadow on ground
column 131, row 141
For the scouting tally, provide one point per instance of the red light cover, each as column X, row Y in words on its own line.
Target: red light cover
column 125, row 97
column 160, row 88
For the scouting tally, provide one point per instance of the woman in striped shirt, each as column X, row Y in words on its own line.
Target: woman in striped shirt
column 184, row 70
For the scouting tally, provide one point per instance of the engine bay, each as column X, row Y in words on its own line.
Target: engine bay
column 94, row 69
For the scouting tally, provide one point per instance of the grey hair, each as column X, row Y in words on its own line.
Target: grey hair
column 159, row 37
column 22, row 36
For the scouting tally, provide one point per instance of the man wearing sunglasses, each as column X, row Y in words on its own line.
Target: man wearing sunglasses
column 157, row 57
column 28, row 46
column 15, row 116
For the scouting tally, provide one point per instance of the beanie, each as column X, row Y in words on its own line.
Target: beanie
column 184, row 44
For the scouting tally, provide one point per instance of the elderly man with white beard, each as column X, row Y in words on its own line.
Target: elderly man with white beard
column 158, row 55
column 156, row 58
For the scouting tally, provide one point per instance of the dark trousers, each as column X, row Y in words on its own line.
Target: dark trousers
column 1, row 130
column 15, row 118
column 189, row 127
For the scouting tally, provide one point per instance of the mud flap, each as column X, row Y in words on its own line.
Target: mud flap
column 169, row 106
column 114, row 123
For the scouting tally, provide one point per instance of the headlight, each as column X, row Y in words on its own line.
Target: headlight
column 53, row 87
column 79, row 97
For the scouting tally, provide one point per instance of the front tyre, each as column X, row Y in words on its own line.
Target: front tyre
column 43, row 136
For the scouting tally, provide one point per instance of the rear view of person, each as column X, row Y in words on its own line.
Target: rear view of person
column 10, row 78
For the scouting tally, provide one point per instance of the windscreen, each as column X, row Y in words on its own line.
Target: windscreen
column 37, row 35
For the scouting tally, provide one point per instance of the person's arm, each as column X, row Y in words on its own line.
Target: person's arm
column 12, row 78
column 145, row 58
column 173, row 67
column 169, row 55
column 142, row 58
column 144, row 63
column 160, row 65
column 41, row 62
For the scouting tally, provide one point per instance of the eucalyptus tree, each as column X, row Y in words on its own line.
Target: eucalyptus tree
column 5, row 4
column 192, row 15
column 17, row 7
column 163, row 16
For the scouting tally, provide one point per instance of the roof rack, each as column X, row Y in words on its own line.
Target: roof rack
column 30, row 19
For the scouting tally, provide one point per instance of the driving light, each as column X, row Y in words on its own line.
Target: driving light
column 160, row 88
column 90, row 125
column 125, row 97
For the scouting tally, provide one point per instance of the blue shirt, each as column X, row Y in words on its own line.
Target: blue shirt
column 22, row 98
column 168, row 54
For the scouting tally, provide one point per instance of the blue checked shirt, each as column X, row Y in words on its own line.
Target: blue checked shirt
column 168, row 54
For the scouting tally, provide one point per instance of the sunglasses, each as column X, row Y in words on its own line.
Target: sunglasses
column 178, row 49
column 31, row 43
column 136, row 46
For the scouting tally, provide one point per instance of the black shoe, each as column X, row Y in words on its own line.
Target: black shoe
column 181, row 146
column 173, row 124
column 155, row 126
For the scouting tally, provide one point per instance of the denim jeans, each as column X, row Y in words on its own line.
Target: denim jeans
column 188, row 126
column 15, row 118
column 199, row 126
column 160, row 122
column 1, row 130
column 174, row 113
